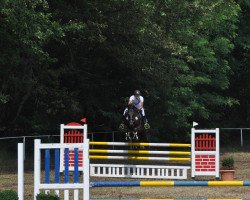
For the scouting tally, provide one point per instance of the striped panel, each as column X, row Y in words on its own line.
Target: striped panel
column 156, row 183
column 47, row 166
column 140, row 152
column 139, row 144
column 137, row 158
column 170, row 183
column 115, row 184
column 225, row 183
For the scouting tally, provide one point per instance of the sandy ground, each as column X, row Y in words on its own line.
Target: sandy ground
column 242, row 163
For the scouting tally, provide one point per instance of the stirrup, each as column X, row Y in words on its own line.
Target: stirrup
column 122, row 126
column 146, row 126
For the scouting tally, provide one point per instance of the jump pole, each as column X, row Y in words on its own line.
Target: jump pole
column 169, row 183
column 104, row 151
column 137, row 158
column 139, row 144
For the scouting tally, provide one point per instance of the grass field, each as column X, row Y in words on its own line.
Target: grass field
column 242, row 163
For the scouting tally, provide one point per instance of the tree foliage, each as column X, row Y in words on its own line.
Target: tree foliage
column 61, row 60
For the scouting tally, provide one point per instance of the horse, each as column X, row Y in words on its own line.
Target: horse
column 134, row 127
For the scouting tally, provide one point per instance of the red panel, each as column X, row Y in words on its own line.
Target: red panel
column 204, row 156
column 73, row 124
column 74, row 136
column 205, row 142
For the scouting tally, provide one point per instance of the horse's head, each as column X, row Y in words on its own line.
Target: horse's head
column 133, row 118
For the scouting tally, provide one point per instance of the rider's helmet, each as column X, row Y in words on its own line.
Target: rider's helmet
column 137, row 93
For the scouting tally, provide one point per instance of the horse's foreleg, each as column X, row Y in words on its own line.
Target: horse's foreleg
column 135, row 136
column 127, row 137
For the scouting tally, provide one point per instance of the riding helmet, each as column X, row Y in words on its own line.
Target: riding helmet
column 137, row 93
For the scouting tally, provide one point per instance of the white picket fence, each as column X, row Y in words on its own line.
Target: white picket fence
column 40, row 185
column 139, row 171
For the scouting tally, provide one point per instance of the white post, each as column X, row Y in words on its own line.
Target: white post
column 76, row 194
column 85, row 132
column 192, row 152
column 20, row 164
column 37, row 167
column 217, row 152
column 66, row 194
column 86, row 169
column 61, row 150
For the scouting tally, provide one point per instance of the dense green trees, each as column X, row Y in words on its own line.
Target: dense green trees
column 25, row 30
column 240, row 79
column 62, row 60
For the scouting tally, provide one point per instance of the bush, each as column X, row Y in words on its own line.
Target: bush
column 8, row 195
column 228, row 163
column 43, row 196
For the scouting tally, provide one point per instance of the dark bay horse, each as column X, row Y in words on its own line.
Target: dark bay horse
column 134, row 126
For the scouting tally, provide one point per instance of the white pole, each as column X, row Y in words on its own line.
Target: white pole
column 37, row 167
column 86, row 169
column 217, row 151
column 85, row 131
column 61, row 150
column 193, row 152
column 20, row 171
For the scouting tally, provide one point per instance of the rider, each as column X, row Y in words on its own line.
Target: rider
column 138, row 101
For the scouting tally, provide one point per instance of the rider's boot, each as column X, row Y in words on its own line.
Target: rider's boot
column 122, row 126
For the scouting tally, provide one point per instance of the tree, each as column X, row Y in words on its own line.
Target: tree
column 25, row 29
